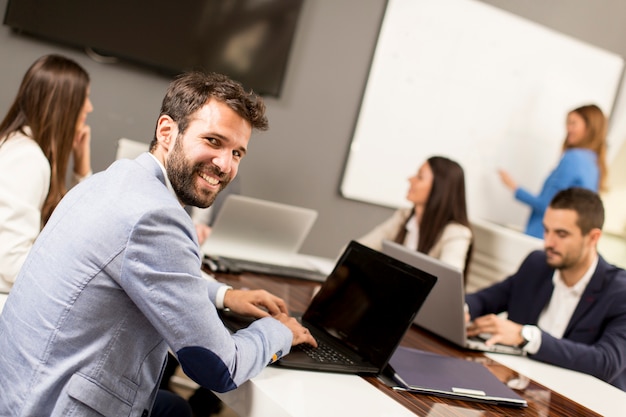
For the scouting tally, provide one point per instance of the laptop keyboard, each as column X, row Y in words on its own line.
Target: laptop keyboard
column 324, row 353
column 232, row 265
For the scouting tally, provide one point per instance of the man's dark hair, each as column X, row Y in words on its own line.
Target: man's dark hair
column 192, row 90
column 586, row 203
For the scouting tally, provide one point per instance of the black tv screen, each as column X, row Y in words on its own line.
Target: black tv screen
column 249, row 40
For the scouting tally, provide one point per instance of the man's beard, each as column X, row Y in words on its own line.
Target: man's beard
column 183, row 177
column 564, row 262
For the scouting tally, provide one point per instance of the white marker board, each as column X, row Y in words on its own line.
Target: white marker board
column 479, row 85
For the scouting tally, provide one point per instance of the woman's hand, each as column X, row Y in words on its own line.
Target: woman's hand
column 507, row 180
column 81, row 151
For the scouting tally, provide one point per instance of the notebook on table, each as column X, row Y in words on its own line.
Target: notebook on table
column 359, row 315
column 261, row 236
column 443, row 313
column 433, row 374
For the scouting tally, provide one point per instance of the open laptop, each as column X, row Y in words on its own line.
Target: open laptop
column 261, row 236
column 443, row 313
column 360, row 314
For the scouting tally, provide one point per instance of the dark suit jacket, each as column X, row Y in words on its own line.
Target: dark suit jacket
column 594, row 341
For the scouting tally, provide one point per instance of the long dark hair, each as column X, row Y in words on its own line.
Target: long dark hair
column 446, row 204
column 49, row 101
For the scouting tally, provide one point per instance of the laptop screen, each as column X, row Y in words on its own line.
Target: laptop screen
column 369, row 301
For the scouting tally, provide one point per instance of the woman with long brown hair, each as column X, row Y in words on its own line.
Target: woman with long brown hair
column 582, row 164
column 44, row 126
column 438, row 223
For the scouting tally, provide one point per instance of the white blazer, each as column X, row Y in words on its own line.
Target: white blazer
column 451, row 247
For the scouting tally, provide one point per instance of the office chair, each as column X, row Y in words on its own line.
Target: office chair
column 130, row 149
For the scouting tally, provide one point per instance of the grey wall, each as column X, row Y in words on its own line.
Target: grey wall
column 300, row 159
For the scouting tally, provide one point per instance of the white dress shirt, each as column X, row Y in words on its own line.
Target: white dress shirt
column 558, row 312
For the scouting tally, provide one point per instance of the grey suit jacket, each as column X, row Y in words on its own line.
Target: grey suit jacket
column 111, row 282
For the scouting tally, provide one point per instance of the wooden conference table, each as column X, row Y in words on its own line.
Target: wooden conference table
column 265, row 394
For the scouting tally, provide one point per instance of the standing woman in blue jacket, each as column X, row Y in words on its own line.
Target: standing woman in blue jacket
column 582, row 164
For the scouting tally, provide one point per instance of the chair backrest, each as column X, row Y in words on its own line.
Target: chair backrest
column 130, row 149
column 614, row 216
column 498, row 252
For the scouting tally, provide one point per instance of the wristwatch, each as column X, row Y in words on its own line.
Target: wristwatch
column 527, row 335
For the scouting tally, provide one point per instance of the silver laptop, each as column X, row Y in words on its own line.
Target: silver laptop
column 443, row 313
column 260, row 236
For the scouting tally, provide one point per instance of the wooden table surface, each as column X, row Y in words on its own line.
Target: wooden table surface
column 541, row 400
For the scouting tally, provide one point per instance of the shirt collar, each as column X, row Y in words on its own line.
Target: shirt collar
column 580, row 286
column 168, row 184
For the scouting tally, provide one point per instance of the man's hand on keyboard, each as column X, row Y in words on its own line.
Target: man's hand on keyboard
column 255, row 303
column 260, row 303
column 300, row 333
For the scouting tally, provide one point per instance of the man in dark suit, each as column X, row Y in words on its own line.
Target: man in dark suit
column 566, row 305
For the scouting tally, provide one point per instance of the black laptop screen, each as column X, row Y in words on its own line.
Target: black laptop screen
column 369, row 301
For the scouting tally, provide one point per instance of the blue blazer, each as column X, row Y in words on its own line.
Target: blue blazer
column 578, row 167
column 112, row 281
column 594, row 341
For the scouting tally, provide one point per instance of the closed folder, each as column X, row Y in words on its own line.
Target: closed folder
column 430, row 373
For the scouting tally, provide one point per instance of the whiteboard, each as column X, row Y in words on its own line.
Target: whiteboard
column 477, row 84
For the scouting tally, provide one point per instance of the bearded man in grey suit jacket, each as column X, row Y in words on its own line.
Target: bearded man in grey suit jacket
column 114, row 278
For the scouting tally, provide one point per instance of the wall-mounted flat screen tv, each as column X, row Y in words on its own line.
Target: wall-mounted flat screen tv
column 249, row 40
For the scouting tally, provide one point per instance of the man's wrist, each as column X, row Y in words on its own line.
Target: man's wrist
column 220, row 295
column 526, row 333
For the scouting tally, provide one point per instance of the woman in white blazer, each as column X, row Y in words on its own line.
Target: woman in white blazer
column 437, row 224
column 43, row 127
